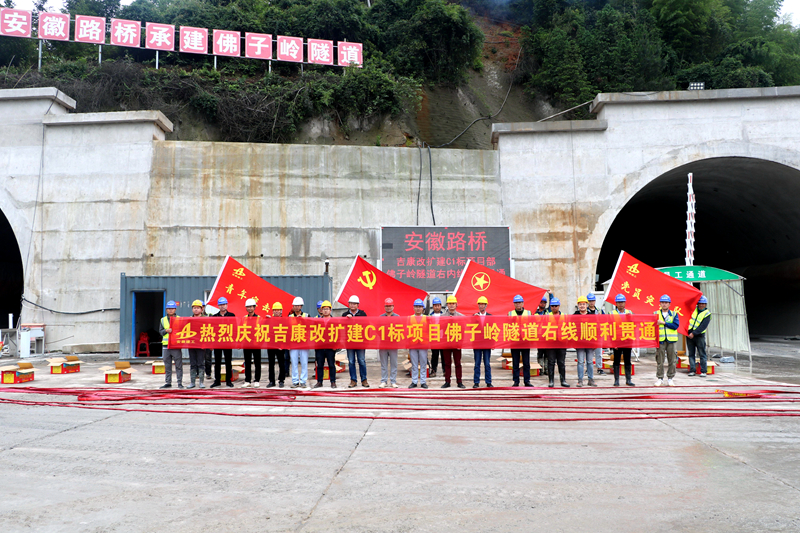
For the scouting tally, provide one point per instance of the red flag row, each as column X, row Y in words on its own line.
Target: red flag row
column 92, row 30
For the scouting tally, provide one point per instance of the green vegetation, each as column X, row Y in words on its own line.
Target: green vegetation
column 577, row 49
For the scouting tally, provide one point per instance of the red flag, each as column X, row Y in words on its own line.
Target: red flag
column 236, row 284
column 373, row 286
column 643, row 287
column 477, row 280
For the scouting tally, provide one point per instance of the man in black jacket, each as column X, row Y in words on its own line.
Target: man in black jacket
column 352, row 355
column 222, row 302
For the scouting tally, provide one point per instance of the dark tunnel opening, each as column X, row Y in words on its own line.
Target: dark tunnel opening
column 11, row 278
column 748, row 222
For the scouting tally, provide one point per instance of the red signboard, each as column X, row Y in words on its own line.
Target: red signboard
column 126, row 33
column 563, row 331
column 90, row 29
column 15, row 22
column 290, row 49
column 320, row 52
column 160, row 37
column 351, row 54
column 54, row 26
column 227, row 43
column 258, row 45
column 194, row 40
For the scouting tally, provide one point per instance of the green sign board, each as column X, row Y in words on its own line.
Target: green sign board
column 698, row 274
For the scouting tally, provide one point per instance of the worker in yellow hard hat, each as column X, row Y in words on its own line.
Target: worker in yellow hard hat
column 277, row 354
column 482, row 354
column 585, row 355
column 325, row 354
column 197, row 356
column 452, row 354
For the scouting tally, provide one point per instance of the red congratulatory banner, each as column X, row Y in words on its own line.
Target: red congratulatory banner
column 564, row 331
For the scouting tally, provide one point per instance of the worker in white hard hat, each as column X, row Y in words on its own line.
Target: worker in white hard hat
column 197, row 356
column 301, row 356
column 353, row 311
column 251, row 356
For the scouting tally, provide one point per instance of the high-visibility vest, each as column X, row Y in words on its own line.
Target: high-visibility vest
column 697, row 319
column 665, row 333
column 525, row 312
column 615, row 311
column 165, row 325
column 304, row 315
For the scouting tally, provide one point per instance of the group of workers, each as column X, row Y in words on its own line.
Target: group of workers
column 294, row 363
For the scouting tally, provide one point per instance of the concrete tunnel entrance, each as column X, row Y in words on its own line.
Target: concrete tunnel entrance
column 11, row 278
column 748, row 222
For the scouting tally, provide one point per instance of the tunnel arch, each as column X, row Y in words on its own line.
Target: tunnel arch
column 11, row 274
column 748, row 222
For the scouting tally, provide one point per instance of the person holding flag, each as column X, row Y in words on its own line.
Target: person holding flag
column 696, row 337
column 276, row 354
column 435, row 354
column 222, row 302
column 251, row 357
column 585, row 354
column 388, row 357
column 482, row 354
column 325, row 354
column 592, row 309
column 622, row 353
column 176, row 355
column 196, row 355
column 452, row 354
column 301, row 356
column 556, row 355
column 520, row 354
column 668, row 323
column 352, row 355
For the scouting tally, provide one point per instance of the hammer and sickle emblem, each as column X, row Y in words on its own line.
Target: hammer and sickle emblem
column 369, row 279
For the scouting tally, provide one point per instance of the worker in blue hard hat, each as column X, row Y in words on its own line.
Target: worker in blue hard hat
column 696, row 337
column 222, row 304
column 668, row 323
column 520, row 355
column 170, row 355
column 541, row 356
column 319, row 308
column 436, row 310
column 388, row 357
column 622, row 353
column 418, row 356
column 592, row 309
column 556, row 356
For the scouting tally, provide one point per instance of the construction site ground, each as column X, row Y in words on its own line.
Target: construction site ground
column 81, row 455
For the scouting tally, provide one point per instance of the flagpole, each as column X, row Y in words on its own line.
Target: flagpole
column 690, row 213
column 349, row 272
column 221, row 270
column 462, row 275
column 614, row 276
